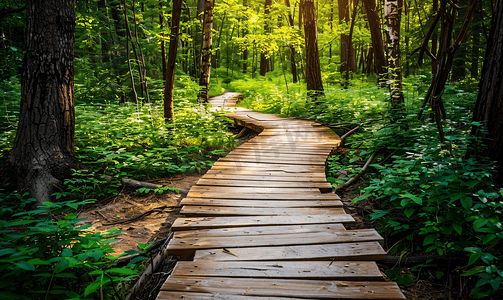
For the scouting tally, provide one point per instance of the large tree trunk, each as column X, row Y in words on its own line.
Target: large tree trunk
column 347, row 61
column 376, row 36
column 264, row 61
column 313, row 71
column 43, row 152
column 489, row 106
column 204, row 80
column 393, row 12
column 170, row 68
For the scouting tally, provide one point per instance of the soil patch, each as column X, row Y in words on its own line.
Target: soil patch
column 159, row 213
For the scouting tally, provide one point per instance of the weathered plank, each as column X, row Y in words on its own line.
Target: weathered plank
column 263, row 172
column 223, row 176
column 271, row 160
column 259, row 203
column 271, row 166
column 185, row 247
column 346, row 270
column 169, row 295
column 207, row 210
column 283, row 156
column 318, row 289
column 261, row 230
column 327, row 252
column 325, row 187
column 257, row 196
column 251, row 190
column 221, row 222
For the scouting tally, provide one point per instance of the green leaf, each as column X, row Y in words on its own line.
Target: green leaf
column 429, row 239
column 38, row 261
column 91, row 288
column 7, row 251
column 26, row 266
column 408, row 212
column 414, row 198
column 466, row 202
column 67, row 252
column 458, row 228
column 122, row 271
column 474, row 257
column 479, row 223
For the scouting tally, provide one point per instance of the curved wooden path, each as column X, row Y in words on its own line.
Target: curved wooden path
column 262, row 223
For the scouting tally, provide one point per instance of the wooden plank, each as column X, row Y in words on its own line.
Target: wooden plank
column 256, row 196
column 345, row 270
column 272, row 155
column 185, row 247
column 251, row 190
column 313, row 178
column 279, row 152
column 327, row 252
column 169, row 295
column 221, row 222
column 260, row 172
column 318, row 289
column 270, row 166
column 272, row 160
column 259, row 203
column 325, row 187
column 207, row 210
column 261, row 230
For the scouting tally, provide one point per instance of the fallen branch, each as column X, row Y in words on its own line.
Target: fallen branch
column 134, row 184
column 145, row 276
column 360, row 174
column 157, row 209
column 343, row 138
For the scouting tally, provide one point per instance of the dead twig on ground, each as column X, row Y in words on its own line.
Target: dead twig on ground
column 157, row 209
column 360, row 174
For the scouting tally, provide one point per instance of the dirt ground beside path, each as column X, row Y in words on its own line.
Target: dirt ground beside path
column 153, row 226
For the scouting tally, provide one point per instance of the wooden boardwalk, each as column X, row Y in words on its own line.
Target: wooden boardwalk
column 261, row 225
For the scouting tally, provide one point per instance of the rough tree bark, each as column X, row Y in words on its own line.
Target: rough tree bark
column 489, row 106
column 170, row 68
column 204, row 80
column 393, row 12
column 264, row 61
column 293, row 66
column 346, row 47
column 313, row 71
column 376, row 36
column 43, row 152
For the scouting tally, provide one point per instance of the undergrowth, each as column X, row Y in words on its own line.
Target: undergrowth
column 429, row 197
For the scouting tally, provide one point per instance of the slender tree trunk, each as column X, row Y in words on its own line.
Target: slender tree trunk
column 105, row 44
column 313, row 71
column 293, row 65
column 163, row 43
column 170, row 70
column 393, row 12
column 204, row 80
column 264, row 61
column 350, row 38
column 376, row 36
column 489, row 106
column 43, row 152
column 347, row 61
column 434, row 41
column 128, row 37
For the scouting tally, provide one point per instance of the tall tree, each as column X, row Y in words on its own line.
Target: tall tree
column 376, row 36
column 204, row 80
column 293, row 66
column 170, row 68
column 264, row 60
column 347, row 61
column 43, row 152
column 393, row 12
column 489, row 105
column 313, row 71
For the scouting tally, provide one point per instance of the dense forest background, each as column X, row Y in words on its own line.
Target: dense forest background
column 397, row 79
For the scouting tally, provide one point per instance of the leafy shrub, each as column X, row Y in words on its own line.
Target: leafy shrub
column 43, row 256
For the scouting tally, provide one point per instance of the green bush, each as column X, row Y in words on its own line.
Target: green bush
column 46, row 254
